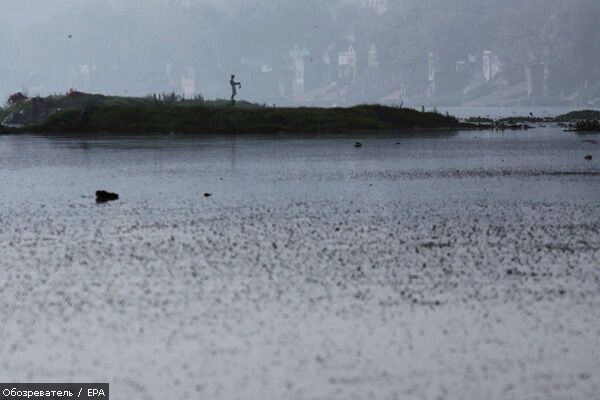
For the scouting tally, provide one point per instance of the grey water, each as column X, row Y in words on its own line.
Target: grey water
column 507, row 112
column 240, row 170
column 456, row 265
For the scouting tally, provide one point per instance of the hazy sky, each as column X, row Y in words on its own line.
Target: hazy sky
column 147, row 46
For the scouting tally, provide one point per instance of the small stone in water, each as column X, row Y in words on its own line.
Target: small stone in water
column 103, row 196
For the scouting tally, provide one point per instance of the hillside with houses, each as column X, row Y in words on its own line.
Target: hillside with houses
column 314, row 52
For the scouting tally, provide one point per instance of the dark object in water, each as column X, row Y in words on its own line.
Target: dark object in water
column 103, row 196
column 588, row 157
column 588, row 126
column 207, row 194
column 358, row 145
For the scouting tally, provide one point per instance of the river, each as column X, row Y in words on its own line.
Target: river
column 457, row 265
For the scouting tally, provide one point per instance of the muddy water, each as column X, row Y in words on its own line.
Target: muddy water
column 454, row 266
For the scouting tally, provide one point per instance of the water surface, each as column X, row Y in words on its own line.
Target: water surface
column 439, row 265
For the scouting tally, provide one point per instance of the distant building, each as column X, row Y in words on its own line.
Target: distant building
column 468, row 66
column 85, row 77
column 373, row 61
column 188, row 83
column 534, row 75
column 299, row 78
column 431, row 75
column 491, row 65
column 328, row 66
column 347, row 63
column 378, row 6
column 172, row 79
column 403, row 92
column 465, row 71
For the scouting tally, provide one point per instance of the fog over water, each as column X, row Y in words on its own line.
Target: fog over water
column 334, row 52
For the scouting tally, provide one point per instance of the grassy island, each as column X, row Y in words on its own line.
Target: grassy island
column 226, row 119
column 96, row 114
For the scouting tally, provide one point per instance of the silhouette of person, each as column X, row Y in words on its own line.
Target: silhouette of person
column 234, row 84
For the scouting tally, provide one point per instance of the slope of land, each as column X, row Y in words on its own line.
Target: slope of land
column 95, row 113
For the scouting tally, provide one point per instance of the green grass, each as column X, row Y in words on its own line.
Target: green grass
column 581, row 115
column 587, row 126
column 169, row 113
column 184, row 118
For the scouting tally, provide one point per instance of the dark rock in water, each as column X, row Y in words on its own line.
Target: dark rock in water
column 103, row 196
column 588, row 157
column 207, row 194
column 358, row 144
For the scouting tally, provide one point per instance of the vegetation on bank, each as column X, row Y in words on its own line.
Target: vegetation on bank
column 582, row 115
column 4, row 112
column 228, row 119
column 584, row 120
column 587, row 126
column 81, row 112
column 49, row 105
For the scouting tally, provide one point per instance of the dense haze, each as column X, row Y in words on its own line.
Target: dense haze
column 327, row 52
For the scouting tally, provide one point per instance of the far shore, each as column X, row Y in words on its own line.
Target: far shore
column 86, row 113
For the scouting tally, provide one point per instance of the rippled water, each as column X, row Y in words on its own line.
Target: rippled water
column 439, row 265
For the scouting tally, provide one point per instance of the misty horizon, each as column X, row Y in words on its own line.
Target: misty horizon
column 300, row 199
column 463, row 52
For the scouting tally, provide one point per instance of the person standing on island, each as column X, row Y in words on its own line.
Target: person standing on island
column 234, row 84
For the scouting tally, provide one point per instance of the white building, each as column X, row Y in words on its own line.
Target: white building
column 373, row 61
column 431, row 75
column 379, row 6
column 347, row 63
column 491, row 65
column 299, row 56
column 85, row 77
column 188, row 83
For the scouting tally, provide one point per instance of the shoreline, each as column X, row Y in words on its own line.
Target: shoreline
column 129, row 115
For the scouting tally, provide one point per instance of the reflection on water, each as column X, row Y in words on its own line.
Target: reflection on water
column 543, row 163
column 437, row 265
